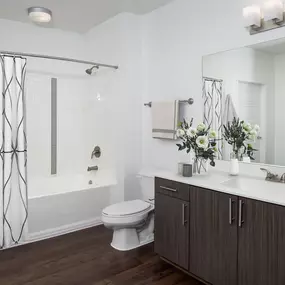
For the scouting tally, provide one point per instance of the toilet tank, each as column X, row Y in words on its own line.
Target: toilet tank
column 146, row 187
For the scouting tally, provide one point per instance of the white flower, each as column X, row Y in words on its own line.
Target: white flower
column 212, row 134
column 180, row 133
column 191, row 132
column 252, row 137
column 247, row 127
column 253, row 132
column 202, row 142
column 256, row 128
column 201, row 127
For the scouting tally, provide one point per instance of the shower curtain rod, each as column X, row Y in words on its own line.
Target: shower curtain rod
column 58, row 58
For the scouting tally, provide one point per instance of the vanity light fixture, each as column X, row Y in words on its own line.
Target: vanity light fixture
column 252, row 17
column 39, row 14
column 271, row 17
column 273, row 11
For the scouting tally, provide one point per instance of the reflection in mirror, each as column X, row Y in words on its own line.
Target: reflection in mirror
column 248, row 83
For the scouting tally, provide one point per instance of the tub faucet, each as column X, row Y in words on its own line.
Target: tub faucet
column 92, row 168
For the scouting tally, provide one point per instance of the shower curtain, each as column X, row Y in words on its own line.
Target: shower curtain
column 212, row 98
column 13, row 152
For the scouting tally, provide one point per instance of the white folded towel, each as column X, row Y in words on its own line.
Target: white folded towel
column 165, row 116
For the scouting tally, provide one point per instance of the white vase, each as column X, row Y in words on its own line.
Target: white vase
column 234, row 167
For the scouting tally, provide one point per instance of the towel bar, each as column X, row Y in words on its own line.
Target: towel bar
column 190, row 101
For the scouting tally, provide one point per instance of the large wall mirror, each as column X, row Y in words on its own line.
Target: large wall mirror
column 248, row 82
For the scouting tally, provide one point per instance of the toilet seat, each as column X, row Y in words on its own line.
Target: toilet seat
column 126, row 213
column 127, row 209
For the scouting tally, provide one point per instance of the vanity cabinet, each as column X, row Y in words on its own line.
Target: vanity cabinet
column 261, row 243
column 219, row 238
column 213, row 236
column 171, row 222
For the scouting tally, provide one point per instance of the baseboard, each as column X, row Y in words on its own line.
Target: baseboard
column 50, row 233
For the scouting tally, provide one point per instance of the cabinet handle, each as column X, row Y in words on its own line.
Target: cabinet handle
column 240, row 220
column 231, row 219
column 169, row 189
column 183, row 214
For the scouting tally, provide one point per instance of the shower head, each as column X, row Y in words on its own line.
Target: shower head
column 89, row 71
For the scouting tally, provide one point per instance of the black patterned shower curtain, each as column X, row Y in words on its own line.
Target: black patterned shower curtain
column 212, row 115
column 13, row 152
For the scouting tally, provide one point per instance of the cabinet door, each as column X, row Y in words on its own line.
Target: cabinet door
column 213, row 236
column 172, row 229
column 261, row 250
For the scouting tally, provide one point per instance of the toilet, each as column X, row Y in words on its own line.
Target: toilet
column 132, row 221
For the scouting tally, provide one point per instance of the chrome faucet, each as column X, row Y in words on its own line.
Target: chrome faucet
column 269, row 175
column 273, row 177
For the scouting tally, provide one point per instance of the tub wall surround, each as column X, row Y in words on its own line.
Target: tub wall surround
column 119, row 40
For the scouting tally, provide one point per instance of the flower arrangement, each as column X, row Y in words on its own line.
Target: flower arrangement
column 201, row 140
column 240, row 135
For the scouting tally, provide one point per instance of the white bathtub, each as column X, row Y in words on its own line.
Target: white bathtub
column 62, row 204
column 61, row 184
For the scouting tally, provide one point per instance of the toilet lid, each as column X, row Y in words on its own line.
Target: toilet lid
column 127, row 208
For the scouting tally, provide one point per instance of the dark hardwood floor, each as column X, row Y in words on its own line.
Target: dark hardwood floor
column 86, row 258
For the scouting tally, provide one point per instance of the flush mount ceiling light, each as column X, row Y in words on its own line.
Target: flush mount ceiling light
column 39, row 14
column 273, row 17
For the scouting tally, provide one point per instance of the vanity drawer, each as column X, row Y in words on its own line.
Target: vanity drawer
column 172, row 188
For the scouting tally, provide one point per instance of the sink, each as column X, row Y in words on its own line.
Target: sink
column 245, row 183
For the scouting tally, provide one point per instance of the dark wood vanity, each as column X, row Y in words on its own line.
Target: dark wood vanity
column 218, row 238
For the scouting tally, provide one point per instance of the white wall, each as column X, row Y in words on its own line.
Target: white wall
column 30, row 38
column 175, row 38
column 119, row 41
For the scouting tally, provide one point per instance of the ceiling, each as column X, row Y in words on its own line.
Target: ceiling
column 77, row 15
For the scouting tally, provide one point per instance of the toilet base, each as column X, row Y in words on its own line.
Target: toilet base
column 128, row 239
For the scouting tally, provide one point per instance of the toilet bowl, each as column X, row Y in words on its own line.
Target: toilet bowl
column 132, row 223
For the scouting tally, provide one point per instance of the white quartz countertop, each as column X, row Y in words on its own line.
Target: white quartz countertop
column 244, row 186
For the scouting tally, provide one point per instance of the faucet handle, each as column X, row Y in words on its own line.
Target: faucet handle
column 96, row 152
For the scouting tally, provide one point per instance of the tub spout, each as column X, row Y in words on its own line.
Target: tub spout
column 92, row 168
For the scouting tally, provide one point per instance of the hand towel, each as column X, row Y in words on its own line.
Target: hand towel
column 165, row 116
